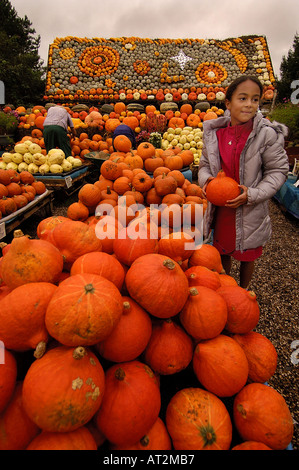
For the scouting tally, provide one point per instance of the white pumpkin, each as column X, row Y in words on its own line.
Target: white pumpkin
column 21, row 148
column 55, row 168
column 6, row 157
column 33, row 168
column 44, row 169
column 28, row 158
column 22, row 167
column 34, row 148
column 17, row 158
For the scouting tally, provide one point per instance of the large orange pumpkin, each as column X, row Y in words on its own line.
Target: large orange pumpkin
column 204, row 314
column 30, row 260
column 84, row 310
column 220, row 365
column 179, row 246
column 79, row 439
column 203, row 276
column 158, row 284
column 24, row 328
column 198, row 420
column 156, row 438
column 206, row 255
column 65, row 382
column 130, row 336
column 102, row 264
column 170, row 349
column 243, row 311
column 17, row 429
column 129, row 246
column 131, row 403
column 261, row 414
column 221, row 189
column 261, row 355
column 75, row 238
column 46, row 226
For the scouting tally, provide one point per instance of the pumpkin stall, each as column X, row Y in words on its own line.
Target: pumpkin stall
column 136, row 336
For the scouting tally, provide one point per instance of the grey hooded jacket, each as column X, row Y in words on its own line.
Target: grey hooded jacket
column 263, row 170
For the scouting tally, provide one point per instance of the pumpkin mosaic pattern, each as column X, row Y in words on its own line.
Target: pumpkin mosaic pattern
column 163, row 69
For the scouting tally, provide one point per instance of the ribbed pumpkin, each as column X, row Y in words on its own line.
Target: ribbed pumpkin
column 179, row 246
column 73, row 239
column 157, row 438
column 131, row 403
column 84, row 310
column 130, row 336
column 22, row 327
column 170, row 349
column 220, row 365
column 203, row 276
column 8, row 377
column 30, row 260
column 261, row 355
column 158, row 284
column 198, row 420
column 79, row 439
column 204, row 314
column 243, row 311
column 208, row 256
column 221, row 189
column 65, row 382
column 17, row 429
column 261, row 414
column 78, row 211
column 102, row 264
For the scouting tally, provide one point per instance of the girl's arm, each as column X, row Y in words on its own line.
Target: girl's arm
column 275, row 169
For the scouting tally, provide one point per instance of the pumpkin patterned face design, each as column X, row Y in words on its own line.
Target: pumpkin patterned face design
column 154, row 65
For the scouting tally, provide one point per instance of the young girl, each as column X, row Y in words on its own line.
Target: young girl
column 249, row 149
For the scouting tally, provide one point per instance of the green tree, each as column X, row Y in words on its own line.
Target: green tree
column 21, row 68
column 289, row 69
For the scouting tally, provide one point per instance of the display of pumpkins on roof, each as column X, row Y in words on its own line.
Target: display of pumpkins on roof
column 131, row 68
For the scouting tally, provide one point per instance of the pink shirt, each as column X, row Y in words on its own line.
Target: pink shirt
column 231, row 141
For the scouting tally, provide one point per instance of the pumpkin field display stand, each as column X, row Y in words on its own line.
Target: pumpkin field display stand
column 69, row 182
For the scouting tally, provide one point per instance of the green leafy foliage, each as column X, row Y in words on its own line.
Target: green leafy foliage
column 21, row 68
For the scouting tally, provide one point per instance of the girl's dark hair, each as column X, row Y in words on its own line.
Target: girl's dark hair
column 243, row 78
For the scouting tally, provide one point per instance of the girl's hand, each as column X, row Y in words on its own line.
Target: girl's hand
column 205, row 186
column 239, row 200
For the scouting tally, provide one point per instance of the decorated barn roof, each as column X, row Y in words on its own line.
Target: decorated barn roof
column 131, row 68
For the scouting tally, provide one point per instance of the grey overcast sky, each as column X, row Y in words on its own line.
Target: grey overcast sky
column 277, row 20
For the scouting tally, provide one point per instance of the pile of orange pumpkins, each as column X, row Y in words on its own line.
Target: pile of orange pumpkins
column 17, row 190
column 108, row 321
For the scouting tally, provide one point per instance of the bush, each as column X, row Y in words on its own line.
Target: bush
column 288, row 114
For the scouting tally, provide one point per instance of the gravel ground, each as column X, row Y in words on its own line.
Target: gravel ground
column 275, row 282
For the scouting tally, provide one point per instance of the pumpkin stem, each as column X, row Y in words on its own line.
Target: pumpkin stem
column 79, row 352
column 169, row 263
column 40, row 350
column 120, row 374
column 18, row 233
column 144, row 441
column 89, row 288
column 193, row 291
column 241, row 410
column 126, row 305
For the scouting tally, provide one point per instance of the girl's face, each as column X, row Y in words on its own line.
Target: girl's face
column 244, row 102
